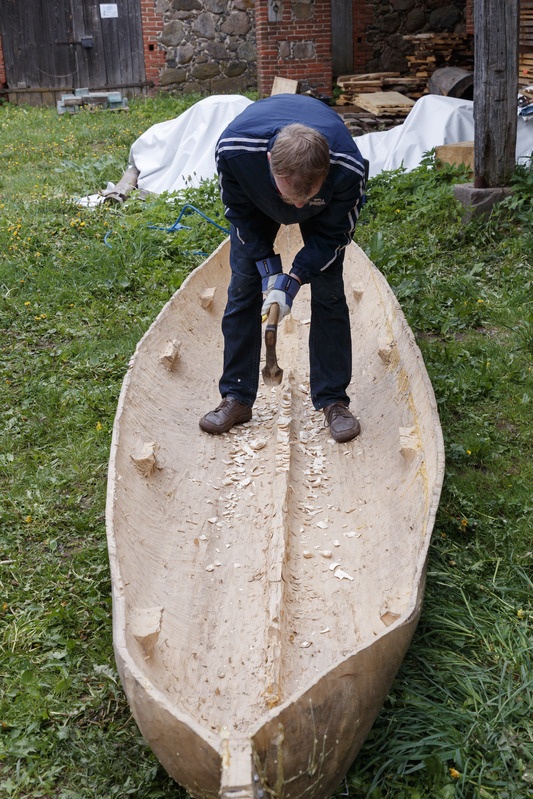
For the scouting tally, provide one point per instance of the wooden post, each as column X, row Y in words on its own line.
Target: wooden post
column 496, row 26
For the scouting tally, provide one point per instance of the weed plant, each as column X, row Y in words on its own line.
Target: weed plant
column 78, row 288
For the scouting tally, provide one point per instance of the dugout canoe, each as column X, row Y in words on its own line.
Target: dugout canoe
column 267, row 582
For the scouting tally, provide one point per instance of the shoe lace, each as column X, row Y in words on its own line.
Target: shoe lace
column 337, row 409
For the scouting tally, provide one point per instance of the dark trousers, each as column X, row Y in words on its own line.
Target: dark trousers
column 330, row 346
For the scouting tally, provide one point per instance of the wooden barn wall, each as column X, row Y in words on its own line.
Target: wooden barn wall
column 53, row 47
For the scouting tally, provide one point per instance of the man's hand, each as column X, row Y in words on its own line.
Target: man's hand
column 283, row 292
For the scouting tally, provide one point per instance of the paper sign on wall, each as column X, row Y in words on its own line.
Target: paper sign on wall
column 108, row 10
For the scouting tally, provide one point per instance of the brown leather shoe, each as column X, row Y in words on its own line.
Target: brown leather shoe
column 229, row 413
column 342, row 423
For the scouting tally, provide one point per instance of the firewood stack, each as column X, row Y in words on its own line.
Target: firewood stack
column 380, row 100
column 432, row 51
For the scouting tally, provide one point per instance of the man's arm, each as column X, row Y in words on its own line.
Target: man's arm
column 252, row 225
column 330, row 231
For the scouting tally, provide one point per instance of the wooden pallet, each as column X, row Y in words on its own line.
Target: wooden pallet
column 380, row 103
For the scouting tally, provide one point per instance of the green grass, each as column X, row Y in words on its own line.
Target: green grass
column 78, row 288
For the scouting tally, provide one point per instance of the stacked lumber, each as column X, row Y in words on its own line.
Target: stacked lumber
column 525, row 57
column 434, row 50
column 525, row 69
column 371, row 82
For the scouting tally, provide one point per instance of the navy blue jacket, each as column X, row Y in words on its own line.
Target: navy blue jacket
column 250, row 195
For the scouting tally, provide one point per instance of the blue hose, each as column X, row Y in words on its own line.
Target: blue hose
column 186, row 210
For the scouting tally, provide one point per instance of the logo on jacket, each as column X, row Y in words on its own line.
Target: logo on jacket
column 316, row 201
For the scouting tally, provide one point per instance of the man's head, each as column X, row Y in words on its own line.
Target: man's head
column 299, row 161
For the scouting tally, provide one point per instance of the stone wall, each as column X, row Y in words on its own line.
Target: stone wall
column 209, row 46
column 395, row 19
column 231, row 46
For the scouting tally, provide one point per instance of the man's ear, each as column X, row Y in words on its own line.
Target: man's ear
column 269, row 157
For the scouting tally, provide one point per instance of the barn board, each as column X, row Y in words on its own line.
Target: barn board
column 51, row 48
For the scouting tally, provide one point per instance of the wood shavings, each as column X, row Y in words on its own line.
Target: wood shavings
column 258, row 443
column 342, row 575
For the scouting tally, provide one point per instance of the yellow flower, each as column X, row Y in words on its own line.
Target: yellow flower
column 28, row 519
column 464, row 522
column 98, row 426
column 468, row 452
column 454, row 773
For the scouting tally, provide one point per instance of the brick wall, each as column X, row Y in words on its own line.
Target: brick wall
column 2, row 68
column 363, row 17
column 154, row 55
column 469, row 16
column 296, row 45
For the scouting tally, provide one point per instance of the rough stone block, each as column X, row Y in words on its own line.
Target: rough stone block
column 478, row 201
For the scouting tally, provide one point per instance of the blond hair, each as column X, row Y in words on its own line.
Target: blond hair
column 301, row 155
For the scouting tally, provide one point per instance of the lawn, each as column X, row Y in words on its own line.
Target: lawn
column 78, row 288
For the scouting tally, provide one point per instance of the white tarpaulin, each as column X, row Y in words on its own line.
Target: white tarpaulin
column 433, row 120
column 181, row 152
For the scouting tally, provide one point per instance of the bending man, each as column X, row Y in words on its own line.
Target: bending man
column 288, row 159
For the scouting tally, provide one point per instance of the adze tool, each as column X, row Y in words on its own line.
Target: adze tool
column 272, row 374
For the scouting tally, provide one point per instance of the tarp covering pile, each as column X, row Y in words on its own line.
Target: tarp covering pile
column 180, row 152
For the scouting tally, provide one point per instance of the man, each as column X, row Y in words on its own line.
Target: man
column 288, row 159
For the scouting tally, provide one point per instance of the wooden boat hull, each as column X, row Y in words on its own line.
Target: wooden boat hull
column 267, row 582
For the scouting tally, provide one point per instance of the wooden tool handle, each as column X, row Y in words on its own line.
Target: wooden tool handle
column 273, row 314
